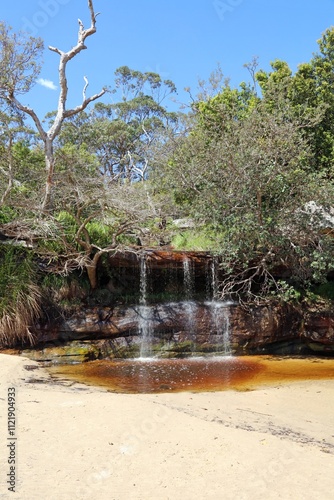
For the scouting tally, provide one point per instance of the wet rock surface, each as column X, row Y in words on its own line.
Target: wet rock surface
column 173, row 312
column 185, row 328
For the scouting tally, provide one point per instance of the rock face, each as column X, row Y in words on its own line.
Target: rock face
column 262, row 326
column 172, row 322
column 173, row 313
column 318, row 331
column 157, row 259
column 183, row 328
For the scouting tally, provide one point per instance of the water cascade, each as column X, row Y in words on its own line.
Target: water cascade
column 219, row 311
column 220, row 324
column 188, row 278
column 214, row 278
column 144, row 312
column 190, row 307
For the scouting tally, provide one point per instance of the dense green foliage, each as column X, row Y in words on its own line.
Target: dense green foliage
column 251, row 172
column 259, row 170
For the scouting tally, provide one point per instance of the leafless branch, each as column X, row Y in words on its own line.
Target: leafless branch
column 85, row 88
column 251, row 284
column 65, row 57
column 25, row 109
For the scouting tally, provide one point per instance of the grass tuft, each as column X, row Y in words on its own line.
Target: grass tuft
column 20, row 296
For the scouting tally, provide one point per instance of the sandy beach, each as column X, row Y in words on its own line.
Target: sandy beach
column 80, row 442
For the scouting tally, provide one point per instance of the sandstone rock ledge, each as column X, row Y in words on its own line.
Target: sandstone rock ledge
column 112, row 332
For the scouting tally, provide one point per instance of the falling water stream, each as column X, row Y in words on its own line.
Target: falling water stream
column 189, row 305
column 220, row 326
column 188, row 278
column 219, row 310
column 144, row 313
column 218, row 372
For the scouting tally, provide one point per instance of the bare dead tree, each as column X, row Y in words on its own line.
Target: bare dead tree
column 48, row 136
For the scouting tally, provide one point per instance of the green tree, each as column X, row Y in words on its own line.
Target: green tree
column 19, row 62
column 122, row 135
column 241, row 171
column 21, row 163
column 310, row 92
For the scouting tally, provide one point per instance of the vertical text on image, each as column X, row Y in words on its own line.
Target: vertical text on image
column 11, row 439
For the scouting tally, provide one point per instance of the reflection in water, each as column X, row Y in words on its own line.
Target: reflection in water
column 196, row 374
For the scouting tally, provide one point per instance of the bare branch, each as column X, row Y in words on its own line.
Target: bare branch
column 85, row 88
column 82, row 229
column 65, row 57
column 30, row 112
column 81, row 107
column 54, row 49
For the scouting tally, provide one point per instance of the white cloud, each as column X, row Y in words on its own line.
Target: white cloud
column 47, row 84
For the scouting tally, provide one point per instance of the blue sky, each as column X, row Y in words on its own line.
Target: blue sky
column 183, row 40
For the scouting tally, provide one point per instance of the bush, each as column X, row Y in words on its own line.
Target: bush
column 325, row 290
column 20, row 296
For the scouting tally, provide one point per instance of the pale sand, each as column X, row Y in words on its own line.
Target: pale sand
column 78, row 442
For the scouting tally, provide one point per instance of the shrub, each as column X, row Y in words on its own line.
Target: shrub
column 20, row 296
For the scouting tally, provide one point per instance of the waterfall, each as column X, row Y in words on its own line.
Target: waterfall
column 190, row 307
column 214, row 278
column 220, row 324
column 188, row 278
column 219, row 312
column 193, row 331
column 143, row 281
column 144, row 311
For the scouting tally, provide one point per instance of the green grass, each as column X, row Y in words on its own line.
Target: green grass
column 20, row 296
column 196, row 240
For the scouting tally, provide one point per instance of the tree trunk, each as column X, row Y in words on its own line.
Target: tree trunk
column 62, row 113
column 50, row 167
column 92, row 275
column 10, row 171
column 259, row 207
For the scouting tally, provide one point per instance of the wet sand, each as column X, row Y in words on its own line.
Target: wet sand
column 272, row 441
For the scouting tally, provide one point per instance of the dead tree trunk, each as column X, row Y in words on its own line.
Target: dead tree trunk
column 49, row 136
column 50, row 168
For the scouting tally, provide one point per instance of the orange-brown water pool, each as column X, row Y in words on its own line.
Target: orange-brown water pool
column 196, row 374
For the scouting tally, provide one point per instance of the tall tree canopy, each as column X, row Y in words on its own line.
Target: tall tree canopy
column 253, row 170
column 310, row 88
column 122, row 134
column 249, row 171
